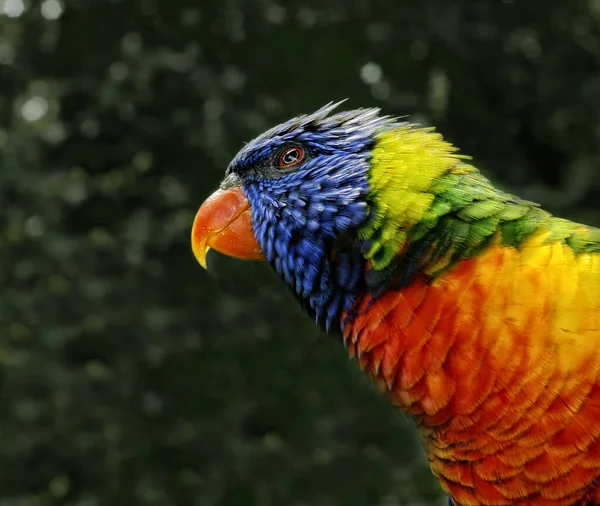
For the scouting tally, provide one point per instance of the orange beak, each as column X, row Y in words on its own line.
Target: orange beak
column 224, row 223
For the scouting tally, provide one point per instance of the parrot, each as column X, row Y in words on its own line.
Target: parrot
column 475, row 312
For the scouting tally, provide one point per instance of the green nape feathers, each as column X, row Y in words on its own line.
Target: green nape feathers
column 431, row 209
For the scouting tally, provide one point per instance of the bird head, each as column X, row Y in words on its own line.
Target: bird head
column 304, row 196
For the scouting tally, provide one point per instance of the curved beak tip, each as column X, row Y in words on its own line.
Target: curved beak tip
column 200, row 253
column 200, row 236
column 202, row 258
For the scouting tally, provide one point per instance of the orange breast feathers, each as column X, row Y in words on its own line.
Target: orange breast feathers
column 498, row 361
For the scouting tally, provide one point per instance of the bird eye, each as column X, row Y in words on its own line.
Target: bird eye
column 290, row 157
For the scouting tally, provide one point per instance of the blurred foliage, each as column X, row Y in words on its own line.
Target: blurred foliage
column 128, row 375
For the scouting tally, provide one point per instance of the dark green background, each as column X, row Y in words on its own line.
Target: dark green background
column 130, row 376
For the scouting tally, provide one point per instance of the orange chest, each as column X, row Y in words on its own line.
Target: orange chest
column 499, row 372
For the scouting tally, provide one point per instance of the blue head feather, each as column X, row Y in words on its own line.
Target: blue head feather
column 304, row 218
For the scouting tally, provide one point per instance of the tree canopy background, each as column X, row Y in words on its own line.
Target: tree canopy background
column 128, row 375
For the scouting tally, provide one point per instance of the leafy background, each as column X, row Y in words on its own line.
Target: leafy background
column 128, row 375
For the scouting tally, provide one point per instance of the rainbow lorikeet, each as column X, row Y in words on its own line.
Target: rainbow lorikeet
column 476, row 312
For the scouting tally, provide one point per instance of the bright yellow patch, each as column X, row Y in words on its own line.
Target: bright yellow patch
column 405, row 163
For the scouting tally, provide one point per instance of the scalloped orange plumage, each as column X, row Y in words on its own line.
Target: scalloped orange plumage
column 498, row 360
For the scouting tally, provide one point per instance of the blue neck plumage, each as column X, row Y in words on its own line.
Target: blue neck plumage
column 306, row 233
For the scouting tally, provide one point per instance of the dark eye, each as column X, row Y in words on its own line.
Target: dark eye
column 291, row 157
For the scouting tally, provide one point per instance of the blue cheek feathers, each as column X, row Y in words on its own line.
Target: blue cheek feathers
column 301, row 226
